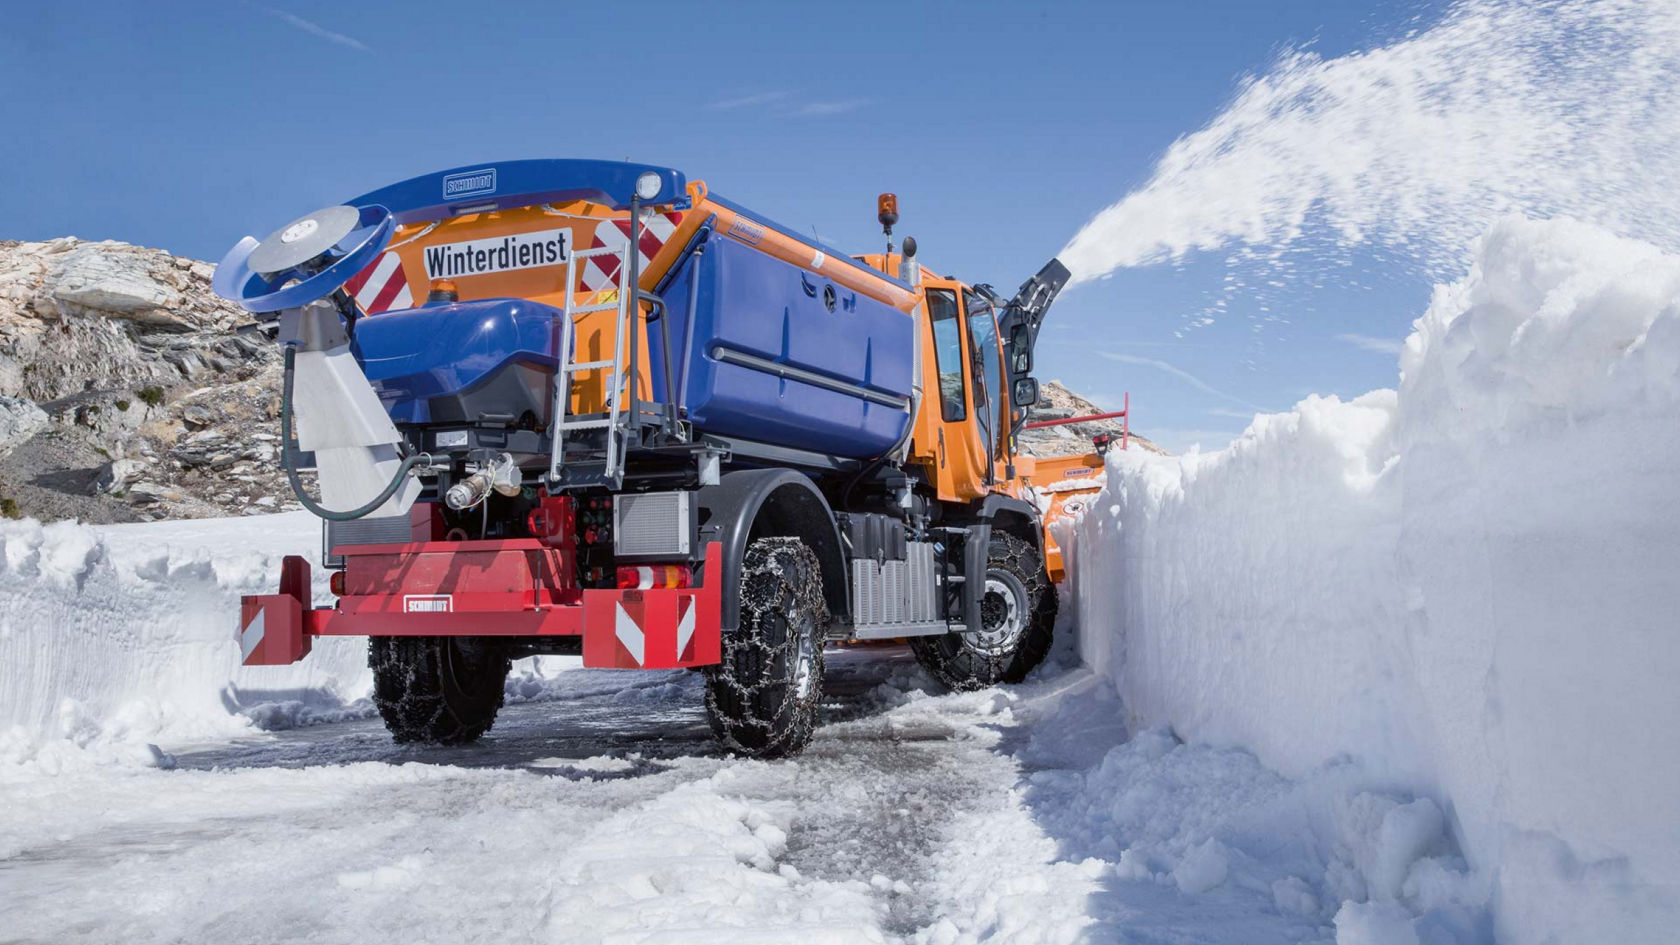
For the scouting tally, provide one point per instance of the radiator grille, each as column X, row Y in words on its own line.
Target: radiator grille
column 653, row 524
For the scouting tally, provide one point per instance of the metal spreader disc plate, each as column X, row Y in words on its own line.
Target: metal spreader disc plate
column 303, row 239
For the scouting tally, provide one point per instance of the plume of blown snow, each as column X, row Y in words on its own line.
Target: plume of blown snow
column 1541, row 107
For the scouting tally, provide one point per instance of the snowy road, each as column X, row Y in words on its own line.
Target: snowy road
column 606, row 814
column 599, row 808
column 602, row 811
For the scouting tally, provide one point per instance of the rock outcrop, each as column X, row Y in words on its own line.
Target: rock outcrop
column 1056, row 402
column 125, row 392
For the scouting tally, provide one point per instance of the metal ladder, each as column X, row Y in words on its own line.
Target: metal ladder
column 615, row 421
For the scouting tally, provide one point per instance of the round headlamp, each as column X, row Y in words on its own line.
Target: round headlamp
column 648, row 185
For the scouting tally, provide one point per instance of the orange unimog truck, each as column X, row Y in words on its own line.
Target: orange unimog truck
column 592, row 408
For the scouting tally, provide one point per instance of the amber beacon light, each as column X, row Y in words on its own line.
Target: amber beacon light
column 443, row 290
column 886, row 210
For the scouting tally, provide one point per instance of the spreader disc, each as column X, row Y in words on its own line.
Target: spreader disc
column 304, row 239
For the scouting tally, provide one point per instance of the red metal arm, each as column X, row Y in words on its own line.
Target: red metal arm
column 1123, row 414
column 1039, row 424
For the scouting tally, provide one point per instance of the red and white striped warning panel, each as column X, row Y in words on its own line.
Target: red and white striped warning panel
column 381, row 286
column 654, row 629
column 601, row 272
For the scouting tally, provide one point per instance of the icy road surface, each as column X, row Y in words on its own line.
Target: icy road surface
column 606, row 814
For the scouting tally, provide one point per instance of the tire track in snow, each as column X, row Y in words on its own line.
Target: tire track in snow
column 874, row 795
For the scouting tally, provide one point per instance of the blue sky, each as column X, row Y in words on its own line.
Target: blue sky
column 1001, row 127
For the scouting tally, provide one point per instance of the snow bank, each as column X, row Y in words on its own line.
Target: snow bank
column 117, row 639
column 1465, row 589
column 113, row 637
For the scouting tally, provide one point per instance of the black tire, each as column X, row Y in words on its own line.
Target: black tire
column 1017, row 588
column 762, row 698
column 442, row 690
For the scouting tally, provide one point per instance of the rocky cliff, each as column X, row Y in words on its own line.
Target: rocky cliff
column 1056, row 402
column 125, row 392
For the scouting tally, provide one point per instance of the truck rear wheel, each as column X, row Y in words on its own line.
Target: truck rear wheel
column 1017, row 616
column 762, row 698
column 443, row 690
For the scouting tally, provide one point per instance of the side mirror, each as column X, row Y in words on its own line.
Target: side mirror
column 1020, row 350
column 1024, row 393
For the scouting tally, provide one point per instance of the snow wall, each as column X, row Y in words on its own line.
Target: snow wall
column 112, row 637
column 118, row 642
column 1468, row 589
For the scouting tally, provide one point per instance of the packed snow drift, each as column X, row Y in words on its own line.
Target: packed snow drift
column 118, row 639
column 1462, row 592
column 118, row 636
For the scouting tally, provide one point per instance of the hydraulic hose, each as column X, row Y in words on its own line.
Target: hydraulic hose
column 288, row 457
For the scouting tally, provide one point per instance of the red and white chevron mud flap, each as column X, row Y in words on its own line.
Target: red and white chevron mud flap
column 381, row 286
column 662, row 628
column 271, row 625
column 600, row 273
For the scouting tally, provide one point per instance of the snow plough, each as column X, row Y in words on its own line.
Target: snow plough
column 591, row 408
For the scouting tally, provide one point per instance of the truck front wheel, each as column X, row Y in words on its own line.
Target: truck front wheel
column 1017, row 615
column 443, row 690
column 762, row 698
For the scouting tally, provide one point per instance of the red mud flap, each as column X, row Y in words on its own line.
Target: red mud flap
column 653, row 629
column 271, row 625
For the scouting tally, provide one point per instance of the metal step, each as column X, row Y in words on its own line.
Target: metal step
column 588, row 474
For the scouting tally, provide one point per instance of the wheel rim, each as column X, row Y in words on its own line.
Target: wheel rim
column 804, row 662
column 1003, row 616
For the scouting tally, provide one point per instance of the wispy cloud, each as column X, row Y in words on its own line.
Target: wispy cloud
column 312, row 28
column 1180, row 440
column 1061, row 343
column 1181, row 374
column 747, row 101
column 1229, row 412
column 1380, row 345
column 831, row 108
column 788, row 102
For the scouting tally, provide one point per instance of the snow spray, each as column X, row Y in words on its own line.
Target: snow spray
column 1410, row 150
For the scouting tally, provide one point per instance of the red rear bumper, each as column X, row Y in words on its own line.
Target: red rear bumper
column 514, row 588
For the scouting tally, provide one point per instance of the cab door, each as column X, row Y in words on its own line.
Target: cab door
column 959, row 411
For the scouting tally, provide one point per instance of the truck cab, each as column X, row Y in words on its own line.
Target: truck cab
column 962, row 431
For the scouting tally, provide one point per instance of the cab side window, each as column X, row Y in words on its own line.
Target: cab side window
column 982, row 333
column 947, row 352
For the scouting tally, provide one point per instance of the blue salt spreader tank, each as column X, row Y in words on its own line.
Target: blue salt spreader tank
column 781, row 354
column 765, row 349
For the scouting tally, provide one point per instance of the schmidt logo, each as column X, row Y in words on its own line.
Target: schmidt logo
column 470, row 183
